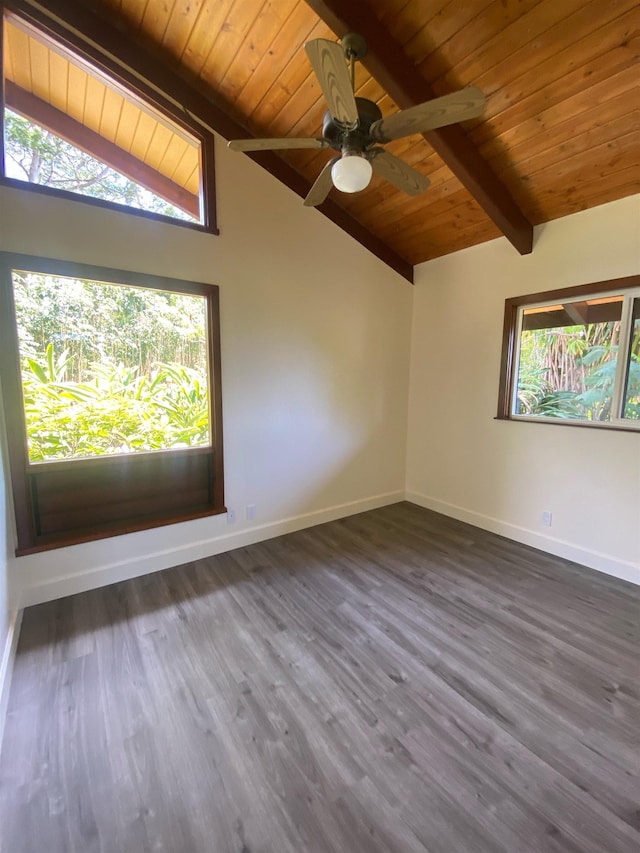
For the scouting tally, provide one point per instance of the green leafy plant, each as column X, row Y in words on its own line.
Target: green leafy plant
column 114, row 410
column 568, row 372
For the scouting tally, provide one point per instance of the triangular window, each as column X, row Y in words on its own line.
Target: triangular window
column 70, row 127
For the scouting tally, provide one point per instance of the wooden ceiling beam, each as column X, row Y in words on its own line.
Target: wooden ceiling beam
column 395, row 72
column 156, row 77
column 60, row 124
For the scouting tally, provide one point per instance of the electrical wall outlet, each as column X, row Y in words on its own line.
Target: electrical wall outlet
column 231, row 516
column 251, row 512
column 547, row 518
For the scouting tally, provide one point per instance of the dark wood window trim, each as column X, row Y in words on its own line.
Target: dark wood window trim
column 107, row 495
column 74, row 41
column 509, row 346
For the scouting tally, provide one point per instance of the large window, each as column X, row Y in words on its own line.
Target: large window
column 573, row 356
column 71, row 127
column 112, row 382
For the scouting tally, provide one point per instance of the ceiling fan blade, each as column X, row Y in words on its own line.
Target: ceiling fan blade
column 398, row 173
column 458, row 106
column 328, row 61
column 322, row 186
column 275, row 144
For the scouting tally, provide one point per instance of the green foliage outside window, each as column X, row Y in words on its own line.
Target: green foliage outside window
column 569, row 372
column 110, row 369
column 38, row 156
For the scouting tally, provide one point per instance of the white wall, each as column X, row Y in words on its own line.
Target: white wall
column 9, row 621
column 315, row 362
column 315, row 359
column 6, row 541
column 501, row 475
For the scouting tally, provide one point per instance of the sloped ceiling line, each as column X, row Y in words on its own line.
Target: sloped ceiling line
column 116, row 50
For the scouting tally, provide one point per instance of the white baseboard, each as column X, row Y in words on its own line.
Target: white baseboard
column 72, row 583
column 6, row 666
column 605, row 563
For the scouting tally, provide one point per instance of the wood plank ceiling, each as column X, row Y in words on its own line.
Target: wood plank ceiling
column 559, row 133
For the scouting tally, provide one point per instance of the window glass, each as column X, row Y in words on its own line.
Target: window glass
column 568, row 358
column 109, row 368
column 631, row 406
column 37, row 156
column 572, row 355
column 113, row 400
column 69, row 126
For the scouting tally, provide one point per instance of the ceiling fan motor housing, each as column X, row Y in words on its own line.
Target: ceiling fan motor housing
column 339, row 136
column 354, row 127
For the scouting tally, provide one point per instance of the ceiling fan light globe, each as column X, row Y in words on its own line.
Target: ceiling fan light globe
column 351, row 173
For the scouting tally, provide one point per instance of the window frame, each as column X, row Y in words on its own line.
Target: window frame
column 182, row 471
column 125, row 78
column 509, row 358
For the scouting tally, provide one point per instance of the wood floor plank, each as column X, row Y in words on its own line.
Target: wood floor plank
column 393, row 682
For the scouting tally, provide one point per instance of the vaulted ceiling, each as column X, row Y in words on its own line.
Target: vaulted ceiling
column 559, row 133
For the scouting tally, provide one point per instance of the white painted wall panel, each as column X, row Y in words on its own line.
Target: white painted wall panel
column 315, row 362
column 503, row 475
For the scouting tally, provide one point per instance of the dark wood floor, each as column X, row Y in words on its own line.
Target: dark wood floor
column 396, row 681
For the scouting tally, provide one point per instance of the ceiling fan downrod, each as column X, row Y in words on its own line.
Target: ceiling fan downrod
column 355, row 47
column 356, row 130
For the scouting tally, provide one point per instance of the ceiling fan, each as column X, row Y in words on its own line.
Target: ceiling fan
column 355, row 126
